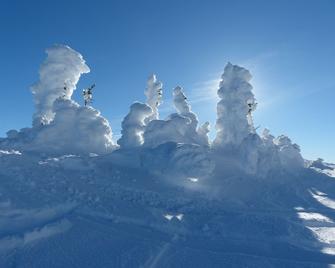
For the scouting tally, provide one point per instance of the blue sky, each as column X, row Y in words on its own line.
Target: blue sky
column 289, row 46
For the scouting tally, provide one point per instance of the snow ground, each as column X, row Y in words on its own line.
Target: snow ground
column 95, row 211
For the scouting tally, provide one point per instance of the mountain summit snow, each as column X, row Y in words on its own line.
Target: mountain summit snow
column 164, row 195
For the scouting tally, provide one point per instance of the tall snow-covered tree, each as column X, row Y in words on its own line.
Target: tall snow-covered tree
column 61, row 69
column 154, row 94
column 60, row 125
column 234, row 121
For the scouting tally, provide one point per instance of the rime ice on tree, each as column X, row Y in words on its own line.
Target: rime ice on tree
column 234, row 120
column 198, row 136
column 183, row 108
column 62, row 68
column 203, row 131
column 133, row 125
column 154, row 94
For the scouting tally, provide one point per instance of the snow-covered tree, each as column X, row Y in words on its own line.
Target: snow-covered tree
column 61, row 69
column 180, row 127
column 133, row 125
column 60, row 125
column 234, row 121
column 267, row 137
column 183, row 108
column 203, row 131
column 154, row 94
column 289, row 153
column 172, row 129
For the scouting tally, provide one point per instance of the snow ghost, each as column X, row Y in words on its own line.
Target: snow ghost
column 173, row 129
column 60, row 125
column 59, row 75
column 183, row 108
column 154, row 93
column 197, row 136
column 203, row 131
column 180, row 127
column 289, row 153
column 133, row 125
column 267, row 137
column 234, row 121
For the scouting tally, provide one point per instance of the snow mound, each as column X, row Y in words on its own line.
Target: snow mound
column 75, row 129
column 178, row 161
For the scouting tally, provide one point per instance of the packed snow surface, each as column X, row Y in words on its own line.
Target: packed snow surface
column 163, row 195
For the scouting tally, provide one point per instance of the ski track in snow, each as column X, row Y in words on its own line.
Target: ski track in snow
column 153, row 261
column 22, row 226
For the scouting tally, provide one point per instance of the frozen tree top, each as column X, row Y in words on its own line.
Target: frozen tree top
column 235, row 106
column 154, row 94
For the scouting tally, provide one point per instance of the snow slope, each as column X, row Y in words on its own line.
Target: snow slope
column 98, row 211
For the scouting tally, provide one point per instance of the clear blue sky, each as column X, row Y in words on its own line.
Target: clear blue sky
column 289, row 46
